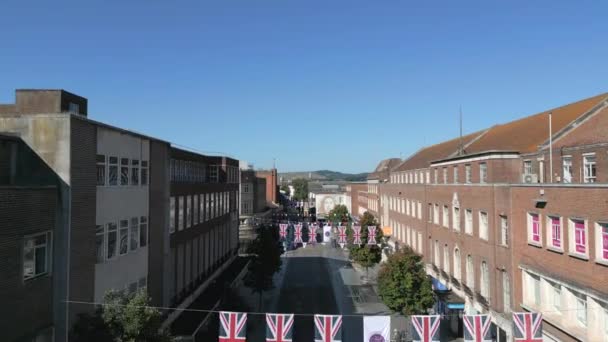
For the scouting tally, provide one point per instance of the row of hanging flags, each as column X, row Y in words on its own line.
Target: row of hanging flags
column 527, row 327
column 342, row 236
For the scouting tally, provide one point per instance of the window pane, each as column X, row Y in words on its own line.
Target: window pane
column 135, row 172
column 134, row 240
column 40, row 260
column 28, row 258
column 124, row 236
column 99, row 243
column 143, row 235
column 111, row 241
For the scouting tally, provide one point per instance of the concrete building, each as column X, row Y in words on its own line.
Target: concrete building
column 112, row 225
column 512, row 218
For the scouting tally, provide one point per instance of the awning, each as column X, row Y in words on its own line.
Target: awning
column 451, row 300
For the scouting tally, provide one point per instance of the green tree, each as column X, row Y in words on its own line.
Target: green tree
column 366, row 255
column 403, row 284
column 339, row 214
column 300, row 189
column 124, row 318
column 267, row 251
column 285, row 189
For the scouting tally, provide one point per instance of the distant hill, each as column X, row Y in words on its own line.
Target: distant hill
column 324, row 175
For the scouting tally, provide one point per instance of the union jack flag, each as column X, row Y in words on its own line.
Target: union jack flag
column 527, row 326
column 283, row 230
column 297, row 234
column 232, row 326
column 312, row 234
column 357, row 235
column 477, row 328
column 279, row 327
column 342, row 235
column 371, row 236
column 328, row 328
column 426, row 328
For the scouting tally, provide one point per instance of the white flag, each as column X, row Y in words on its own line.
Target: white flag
column 326, row 234
column 376, row 328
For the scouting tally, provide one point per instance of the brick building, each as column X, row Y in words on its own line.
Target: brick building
column 272, row 185
column 112, row 223
column 513, row 218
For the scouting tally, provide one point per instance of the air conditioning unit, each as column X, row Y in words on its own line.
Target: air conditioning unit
column 530, row 178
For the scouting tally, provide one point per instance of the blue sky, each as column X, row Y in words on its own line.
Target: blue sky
column 323, row 84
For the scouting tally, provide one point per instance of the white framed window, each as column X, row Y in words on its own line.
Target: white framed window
column 468, row 221
column 144, row 173
column 506, row 292
column 469, row 268
column 567, row 169
column 446, row 216
column 578, row 237
column 467, row 173
column 504, row 231
column 101, row 169
column 527, row 167
column 456, row 218
column 37, row 255
column 99, row 243
column 556, row 296
column 445, row 175
column 581, row 309
column 436, row 214
column 601, row 233
column 485, row 280
column 589, row 168
column 420, row 243
column 457, row 265
column 455, row 174
column 171, row 214
column 428, row 176
column 420, row 210
column 123, row 247
column 483, row 225
column 180, row 213
column 134, row 172
column 112, row 171
column 554, row 232
column 534, row 229
column 111, row 241
column 536, row 289
column 446, row 259
column 124, row 171
column 415, row 177
column 134, row 234
column 435, row 175
column 195, row 211
column 483, row 172
column 437, row 254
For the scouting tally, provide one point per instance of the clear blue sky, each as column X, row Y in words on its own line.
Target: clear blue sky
column 321, row 84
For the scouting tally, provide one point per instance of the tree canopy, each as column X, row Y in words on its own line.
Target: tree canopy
column 300, row 189
column 403, row 284
column 285, row 189
column 339, row 214
column 366, row 255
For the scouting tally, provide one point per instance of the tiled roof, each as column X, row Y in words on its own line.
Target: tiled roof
column 384, row 167
column 523, row 135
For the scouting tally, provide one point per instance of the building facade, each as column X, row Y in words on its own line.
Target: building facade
column 272, row 185
column 512, row 218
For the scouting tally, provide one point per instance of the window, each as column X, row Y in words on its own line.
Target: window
column 134, row 172
column 124, row 171
column 430, row 216
column 533, row 228
column 101, row 169
column 468, row 221
column 455, row 174
column 437, row 254
column 589, row 168
column 246, row 188
column 73, row 108
column 536, row 288
column 180, row 213
column 602, row 241
column 527, row 167
column 504, row 231
column 555, row 233
column 456, row 218
column 415, row 177
column 188, row 211
column 435, row 175
column 201, row 208
column 581, row 309
column 470, row 272
column 567, row 169
column 467, row 173
column 420, row 210
column 407, row 208
column 144, row 172
column 213, row 174
column 436, row 214
column 99, row 242
column 134, row 233
column 445, row 175
column 124, row 237
column 446, row 217
column 485, row 280
column 111, row 240
column 578, row 241
column 428, row 177
column 483, row 172
column 143, row 231
column 420, row 243
column 457, row 263
column 195, row 212
column 506, row 292
column 37, row 255
column 446, row 259
column 483, row 225
column 113, row 171
column 171, row 214
column 557, row 296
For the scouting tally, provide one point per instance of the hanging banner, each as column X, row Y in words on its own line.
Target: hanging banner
column 326, row 234
column 279, row 327
column 371, row 235
column 342, row 236
column 297, row 234
column 426, row 328
column 232, row 326
column 357, row 235
column 527, row 326
column 328, row 328
column 283, row 230
column 477, row 328
column 312, row 233
column 376, row 328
